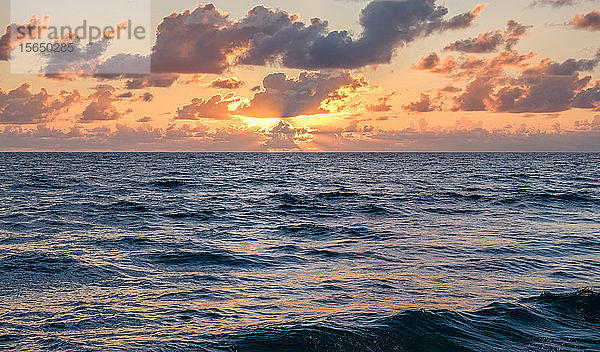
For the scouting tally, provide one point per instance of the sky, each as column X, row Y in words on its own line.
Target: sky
column 326, row 75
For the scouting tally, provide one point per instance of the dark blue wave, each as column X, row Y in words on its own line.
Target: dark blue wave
column 550, row 322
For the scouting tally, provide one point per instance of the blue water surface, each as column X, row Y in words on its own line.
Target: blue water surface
column 299, row 252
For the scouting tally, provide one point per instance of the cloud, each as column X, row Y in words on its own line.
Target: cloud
column 163, row 80
column 21, row 106
column 484, row 43
column 12, row 38
column 84, row 59
column 281, row 96
column 226, row 83
column 122, row 63
column 556, row 3
column 429, row 62
column 179, row 133
column 193, row 42
column 588, row 98
column 464, row 135
column 386, row 26
column 144, row 119
column 284, row 136
column 548, row 87
column 197, row 78
column 450, row 89
column 206, row 40
column 382, row 105
column 308, row 94
column 450, row 65
column 424, row 104
column 537, row 86
column 491, row 41
column 126, row 138
column 87, row 58
column 354, row 128
column 101, row 108
column 589, row 21
column 125, row 95
column 514, row 32
column 145, row 97
column 586, row 125
column 215, row 108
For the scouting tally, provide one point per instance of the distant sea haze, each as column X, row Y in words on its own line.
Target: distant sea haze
column 299, row 252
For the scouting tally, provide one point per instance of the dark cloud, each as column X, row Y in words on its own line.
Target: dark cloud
column 283, row 96
column 207, row 41
column 450, row 65
column 484, row 43
column 215, row 108
column 284, row 136
column 201, row 41
column 11, row 37
column 163, row 80
column 144, row 119
column 429, row 62
column 547, row 87
column 514, row 32
column 21, row 106
column 588, row 98
column 538, row 86
column 556, row 3
column 424, row 104
column 145, row 97
column 354, row 128
column 491, row 41
column 101, row 108
column 125, row 95
column 387, row 25
column 226, row 83
column 589, row 21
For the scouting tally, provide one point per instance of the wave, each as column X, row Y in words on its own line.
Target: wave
column 36, row 270
column 550, row 322
column 168, row 183
column 200, row 215
column 37, row 262
column 207, row 258
column 127, row 206
column 335, row 195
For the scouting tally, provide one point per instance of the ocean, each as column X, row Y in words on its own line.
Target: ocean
column 299, row 252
